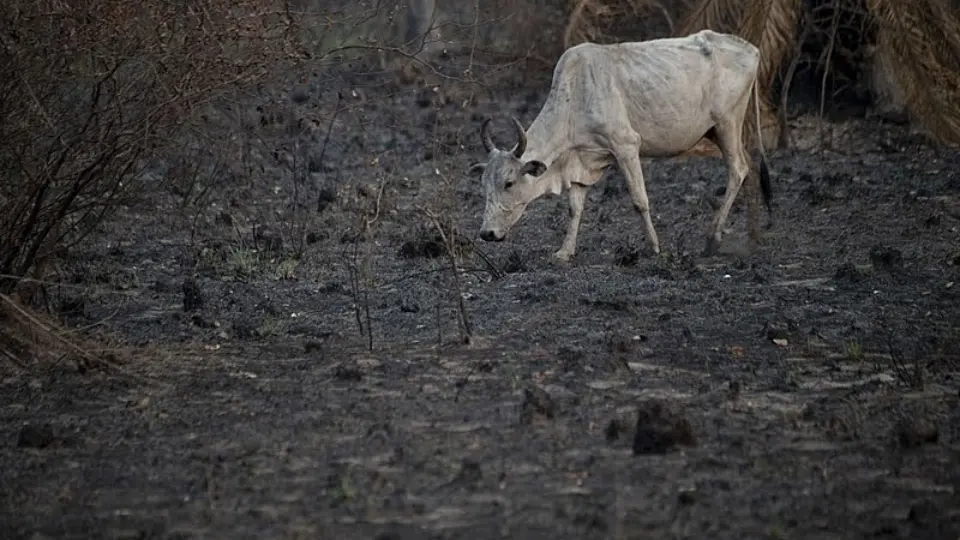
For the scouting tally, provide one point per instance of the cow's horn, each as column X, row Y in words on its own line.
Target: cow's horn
column 485, row 136
column 521, row 138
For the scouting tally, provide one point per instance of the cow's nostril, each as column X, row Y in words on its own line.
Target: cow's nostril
column 488, row 236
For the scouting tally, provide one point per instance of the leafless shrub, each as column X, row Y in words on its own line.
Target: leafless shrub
column 93, row 93
column 28, row 337
column 94, row 90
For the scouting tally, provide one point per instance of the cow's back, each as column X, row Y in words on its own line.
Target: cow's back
column 729, row 52
column 703, row 55
column 670, row 90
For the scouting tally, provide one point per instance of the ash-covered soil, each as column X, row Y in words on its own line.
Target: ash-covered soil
column 805, row 390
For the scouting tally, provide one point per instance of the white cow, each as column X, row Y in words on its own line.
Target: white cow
column 621, row 102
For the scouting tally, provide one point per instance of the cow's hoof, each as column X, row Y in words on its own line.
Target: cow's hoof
column 563, row 256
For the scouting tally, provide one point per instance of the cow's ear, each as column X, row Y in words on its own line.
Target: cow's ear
column 476, row 169
column 534, row 168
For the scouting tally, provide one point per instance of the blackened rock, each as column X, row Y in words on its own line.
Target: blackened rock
column 660, row 428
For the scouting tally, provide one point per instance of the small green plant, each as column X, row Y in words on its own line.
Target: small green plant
column 287, row 269
column 243, row 261
column 777, row 533
column 269, row 326
column 341, row 488
column 853, row 351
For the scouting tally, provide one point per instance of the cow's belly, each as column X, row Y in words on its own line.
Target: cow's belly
column 671, row 136
column 669, row 146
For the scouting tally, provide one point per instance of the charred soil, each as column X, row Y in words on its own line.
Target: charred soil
column 808, row 389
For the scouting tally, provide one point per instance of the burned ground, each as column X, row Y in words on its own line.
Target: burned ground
column 805, row 390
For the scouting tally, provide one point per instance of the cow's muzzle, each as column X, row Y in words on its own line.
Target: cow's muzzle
column 491, row 236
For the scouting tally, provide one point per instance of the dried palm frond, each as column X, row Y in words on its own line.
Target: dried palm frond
column 772, row 26
column 922, row 38
column 589, row 19
column 718, row 15
column 945, row 35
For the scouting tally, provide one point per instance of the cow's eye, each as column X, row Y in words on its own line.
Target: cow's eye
column 508, row 184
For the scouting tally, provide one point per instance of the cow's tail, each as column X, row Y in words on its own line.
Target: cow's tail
column 764, row 170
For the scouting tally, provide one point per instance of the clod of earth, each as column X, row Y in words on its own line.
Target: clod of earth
column 514, row 263
column 404, row 532
column 626, row 256
column 192, row 295
column 915, row 432
column 333, row 287
column 620, row 427
column 429, row 248
column 164, row 285
column 247, row 328
column 570, row 358
column 886, row 258
column 203, row 321
column 619, row 344
column 72, row 306
column 660, row 428
column 325, row 198
column 469, row 475
column 430, row 245
column 686, row 497
column 36, row 436
column 925, row 513
column 409, row 307
column 537, row 406
column 312, row 346
column 270, row 242
column 313, row 237
column 849, row 272
column 348, row 373
column 733, row 390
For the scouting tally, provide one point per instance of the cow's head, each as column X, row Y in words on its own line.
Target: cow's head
column 508, row 183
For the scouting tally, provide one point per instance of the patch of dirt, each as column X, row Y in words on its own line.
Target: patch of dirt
column 818, row 376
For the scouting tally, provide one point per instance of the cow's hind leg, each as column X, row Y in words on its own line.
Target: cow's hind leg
column 628, row 156
column 727, row 135
column 578, row 195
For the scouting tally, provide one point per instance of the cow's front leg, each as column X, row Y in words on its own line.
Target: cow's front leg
column 578, row 195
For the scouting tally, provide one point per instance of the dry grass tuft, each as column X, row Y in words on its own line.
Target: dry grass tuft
column 28, row 337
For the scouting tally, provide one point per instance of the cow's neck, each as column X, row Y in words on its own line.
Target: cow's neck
column 547, row 143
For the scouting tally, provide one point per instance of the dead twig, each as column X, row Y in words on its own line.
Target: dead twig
column 326, row 138
column 466, row 333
